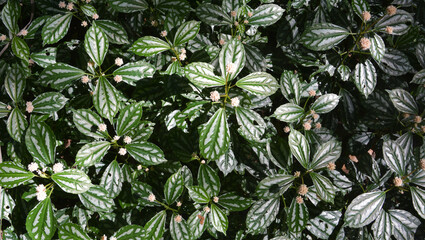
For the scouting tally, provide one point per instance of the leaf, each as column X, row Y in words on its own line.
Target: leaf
column 112, row 179
column 41, row 221
column 10, row 15
column 213, row 15
column 13, row 174
column 274, row 186
column 105, row 98
column 364, row 209
column 403, row 101
column 96, row 44
column 130, row 232
column 49, row 102
column 45, row 57
column 299, row 147
column 7, row 204
column 186, row 32
column 134, row 71
column 173, row 188
column 16, row 124
column 377, row 48
column 92, row 153
column 400, row 22
column 197, row 222
column 418, row 199
column 97, row 199
column 365, row 77
column 56, row 28
column 209, row 180
column 179, row 230
column 323, row 36
column 325, row 103
column 419, row 77
column 266, row 15
column 395, row 63
column 146, row 153
column 128, row 6
column 233, row 202
column 252, row 125
column 88, row 10
column 129, row 118
column 198, row 194
column 14, row 83
column 297, row 216
column 71, row 231
column 215, row 137
column 218, row 219
column 326, row 153
column 325, row 190
column 323, row 225
column 255, row 61
column 259, row 83
column 261, row 215
column 290, row 86
column 404, row 224
column 394, row 157
column 41, row 143
column 226, row 162
column 60, row 75
column 87, row 122
column 20, row 48
column 114, row 31
column 289, row 112
column 154, row 229
column 202, row 75
column 382, row 226
column 233, row 52
column 360, row 6
column 148, row 46
column 3, row 110
column 72, row 181
column 345, row 72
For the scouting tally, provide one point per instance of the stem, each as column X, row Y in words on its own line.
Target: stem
column 166, row 206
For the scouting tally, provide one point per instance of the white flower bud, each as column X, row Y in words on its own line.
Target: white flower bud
column 230, row 68
column 215, row 96
column 29, row 107
column 95, row 16
column 163, row 33
column 85, row 79
column 102, row 127
column 116, row 138
column 57, row 167
column 215, row 199
column 62, row 4
column 32, row 167
column 178, row 219
column 84, row 23
column 119, row 61
column 118, row 78
column 70, row 6
column 122, row 151
column 2, row 37
column 127, row 139
column 151, row 197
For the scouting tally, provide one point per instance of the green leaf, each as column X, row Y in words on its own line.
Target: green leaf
column 56, row 28
column 403, row 101
column 364, row 209
column 129, row 118
column 215, row 137
column 130, row 232
column 289, row 112
column 197, row 222
column 16, row 124
column 360, row 6
column 419, row 77
column 87, row 122
column 365, row 77
column 7, row 204
column 400, row 22
column 255, row 61
column 325, row 190
column 395, row 63
column 96, row 44
column 134, row 71
column 227, row 162
column 394, row 157
column 105, row 98
column 35, row 26
column 10, row 15
column 325, row 103
column 148, row 46
column 377, row 48
column 209, row 180
column 259, row 83
column 404, row 224
column 198, row 194
column 323, row 36
column 252, row 125
column 60, row 75
column 323, row 225
column 92, row 153
column 41, row 221
column 173, row 188
column 13, row 174
column 297, row 216
column 128, row 6
column 233, row 202
column 186, row 32
column 20, row 48
column 49, row 102
column 418, row 199
column 266, row 15
column 71, row 231
column 154, row 229
column 299, row 147
column 232, row 53
column 213, row 15
column 274, row 186
column 202, row 75
column 179, row 230
column 41, row 143
column 97, row 199
column 112, row 179
column 218, row 219
column 88, row 10
column 261, row 215
column 3, row 110
column 290, row 86
column 345, row 72
column 72, row 181
column 326, row 153
column 382, row 227
column 146, row 153
column 114, row 31
column 14, row 83
column 418, row 178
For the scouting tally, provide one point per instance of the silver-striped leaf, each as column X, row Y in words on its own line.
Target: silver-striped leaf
column 45, row 57
column 395, row 63
column 218, row 219
column 290, row 86
column 262, row 214
column 215, row 137
column 360, row 6
column 418, row 199
column 13, row 174
column 148, row 46
column 274, row 186
column 202, row 75
column 233, row 52
column 323, row 36
column 326, row 153
column 300, row 147
column 377, row 48
column 325, row 103
column 49, row 102
column 10, row 15
column 403, row 101
column 134, row 71
column 233, row 202
column 96, row 44
column 325, row 190
column 71, row 231
column 114, row 31
column 186, row 32
column 394, row 157
column 97, row 199
column 130, row 232
column 7, row 204
column 266, row 15
column 198, row 194
column 404, row 224
column 87, row 122
column 259, row 83
column 105, row 98
column 400, row 22
column 92, row 153
column 323, row 225
column 41, row 143
column 20, row 48
column 382, row 227
column 154, row 229
column 128, row 6
column 419, row 77
column 173, row 188
column 14, row 83
column 197, row 222
column 146, row 153
column 3, row 110
column 112, row 179
column 364, row 209
column 297, row 216
column 418, row 178
column 41, row 222
column 60, row 75
column 209, row 180
column 289, row 112
column 365, row 77
column 16, row 124
column 252, row 125
column 213, row 15
column 227, row 162
column 179, row 229
column 72, row 181
column 56, row 28
column 128, row 118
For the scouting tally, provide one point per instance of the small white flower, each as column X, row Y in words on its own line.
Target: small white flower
column 235, row 102
column 151, row 197
column 2, row 37
column 163, row 33
column 215, row 199
column 102, row 127
column 389, row 29
column 29, row 107
column 154, row 23
column 122, row 151
column 116, row 138
column 221, row 42
column 62, row 4
column 127, row 139
column 233, row 13
column 139, row 167
column 203, row 162
column 299, row 199
column 178, row 219
column 179, row 204
column 118, row 78
column 70, row 6
column 104, row 237
column 286, row 129
column 88, row 1
column 207, row 209
column 215, row 96
column 30, row 62
column 9, row 107
column 32, row 167
column 307, row 126
column 41, row 196
column 119, row 62
column 146, row 169
column 183, row 51
column 250, row 14
column 95, row 16
column 23, row 32
column 58, row 167
column 85, row 79
column 84, row 23
column 40, row 188
column 182, row 56
column 90, row 64
column 230, row 68
column 312, row 93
